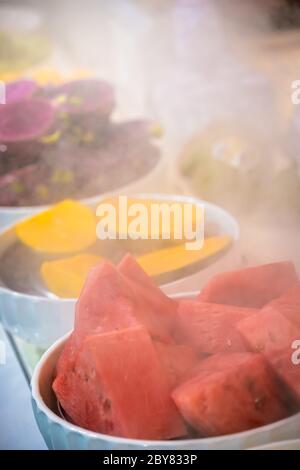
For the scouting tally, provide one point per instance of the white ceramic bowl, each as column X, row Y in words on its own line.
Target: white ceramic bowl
column 293, row 444
column 42, row 320
column 60, row 434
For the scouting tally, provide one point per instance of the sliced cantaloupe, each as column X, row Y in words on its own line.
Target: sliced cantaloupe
column 66, row 227
column 179, row 216
column 178, row 257
column 66, row 277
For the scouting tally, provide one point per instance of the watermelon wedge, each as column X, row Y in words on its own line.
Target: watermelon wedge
column 178, row 361
column 238, row 397
column 210, row 328
column 108, row 391
column 270, row 330
column 273, row 331
column 288, row 304
column 66, row 360
column 251, row 287
column 130, row 268
column 163, row 307
column 106, row 302
column 289, row 374
column 110, row 301
column 25, row 120
column 218, row 363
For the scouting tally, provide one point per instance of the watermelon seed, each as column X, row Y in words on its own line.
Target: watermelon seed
column 260, row 402
column 250, row 384
column 106, row 405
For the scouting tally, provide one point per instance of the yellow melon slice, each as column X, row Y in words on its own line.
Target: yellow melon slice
column 65, row 277
column 178, row 257
column 66, row 227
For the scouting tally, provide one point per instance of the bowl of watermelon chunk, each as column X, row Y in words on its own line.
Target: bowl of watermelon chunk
column 217, row 369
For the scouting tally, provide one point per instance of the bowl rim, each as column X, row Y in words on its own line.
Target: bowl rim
column 174, row 443
column 166, row 197
column 273, row 445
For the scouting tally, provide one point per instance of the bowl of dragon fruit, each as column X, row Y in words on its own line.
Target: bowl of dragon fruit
column 61, row 141
column 217, row 369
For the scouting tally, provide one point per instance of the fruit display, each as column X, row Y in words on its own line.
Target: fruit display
column 149, row 221
column 59, row 141
column 60, row 245
column 141, row 365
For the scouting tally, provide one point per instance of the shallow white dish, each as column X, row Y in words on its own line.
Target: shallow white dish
column 41, row 320
column 60, row 434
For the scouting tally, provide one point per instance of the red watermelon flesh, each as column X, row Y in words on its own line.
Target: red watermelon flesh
column 218, row 363
column 25, row 120
column 288, row 372
column 178, row 361
column 130, row 268
column 273, row 332
column 239, row 398
column 119, row 387
column 105, row 303
column 289, row 304
column 109, row 301
column 210, row 328
column 251, row 287
column 68, row 355
column 162, row 307
column 268, row 331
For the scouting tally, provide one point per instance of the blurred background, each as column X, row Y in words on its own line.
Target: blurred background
column 218, row 72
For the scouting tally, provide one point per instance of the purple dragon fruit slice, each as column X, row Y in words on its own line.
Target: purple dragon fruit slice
column 15, row 186
column 85, row 96
column 25, row 120
column 19, row 154
column 20, row 90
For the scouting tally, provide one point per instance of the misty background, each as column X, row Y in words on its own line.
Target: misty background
column 190, row 63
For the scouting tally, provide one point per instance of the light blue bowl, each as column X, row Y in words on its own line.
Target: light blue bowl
column 60, row 434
